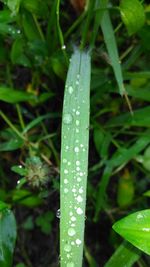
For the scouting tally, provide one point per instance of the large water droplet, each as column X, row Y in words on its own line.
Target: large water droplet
column 71, row 232
column 73, row 218
column 70, row 89
column 70, row 264
column 76, row 149
column 65, row 190
column 80, row 190
column 67, row 118
column 78, row 241
column 79, row 211
column 63, row 47
column 67, row 248
column 79, row 199
column 58, row 214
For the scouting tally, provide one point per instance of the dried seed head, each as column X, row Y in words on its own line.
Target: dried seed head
column 37, row 172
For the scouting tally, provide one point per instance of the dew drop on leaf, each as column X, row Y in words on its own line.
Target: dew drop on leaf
column 67, row 248
column 58, row 214
column 67, row 118
column 71, row 232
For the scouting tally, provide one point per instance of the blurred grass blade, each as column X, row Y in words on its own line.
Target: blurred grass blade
column 8, row 236
column 13, row 6
column 74, row 159
column 38, row 120
column 125, row 255
column 121, row 157
column 12, row 96
column 132, row 14
column 100, row 7
column 111, row 45
column 100, row 199
column 135, row 228
column 141, row 118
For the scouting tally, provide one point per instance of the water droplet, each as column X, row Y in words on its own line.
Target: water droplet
column 73, row 218
column 65, row 171
column 139, row 216
column 64, row 160
column 76, row 149
column 65, row 190
column 79, row 211
column 20, row 166
column 77, row 82
column 58, row 214
column 77, row 162
column 71, row 232
column 70, row 89
column 77, row 122
column 18, row 182
column 67, row 248
column 65, row 181
column 81, row 190
column 70, row 264
column 79, row 179
column 63, row 47
column 77, row 112
column 78, row 168
column 78, row 241
column 67, row 118
column 79, row 199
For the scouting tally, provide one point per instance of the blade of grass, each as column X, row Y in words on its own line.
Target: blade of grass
column 124, row 255
column 111, row 45
column 121, row 158
column 74, row 159
column 60, row 34
column 87, row 24
column 100, row 7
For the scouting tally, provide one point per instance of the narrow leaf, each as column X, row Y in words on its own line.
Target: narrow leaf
column 8, row 237
column 74, row 159
column 111, row 45
column 12, row 96
column 125, row 255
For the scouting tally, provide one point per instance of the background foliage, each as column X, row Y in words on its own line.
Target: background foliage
column 36, row 40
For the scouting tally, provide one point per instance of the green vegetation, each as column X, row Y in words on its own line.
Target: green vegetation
column 70, row 180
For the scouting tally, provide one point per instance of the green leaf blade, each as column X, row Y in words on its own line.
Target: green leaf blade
column 111, row 45
column 136, row 229
column 124, row 255
column 74, row 159
column 133, row 16
column 8, row 237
